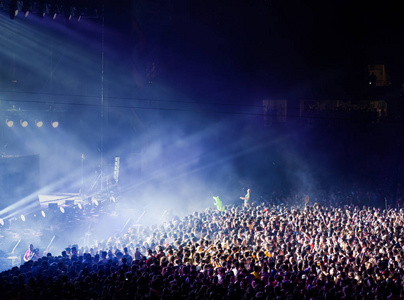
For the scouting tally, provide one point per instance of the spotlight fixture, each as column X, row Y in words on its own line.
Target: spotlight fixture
column 39, row 124
column 43, row 8
column 22, row 218
column 55, row 124
column 24, row 123
column 54, row 10
column 79, row 13
column 43, row 213
column 69, row 12
column 1, row 222
column 62, row 210
column 94, row 201
column 10, row 123
column 26, row 7
column 13, row 9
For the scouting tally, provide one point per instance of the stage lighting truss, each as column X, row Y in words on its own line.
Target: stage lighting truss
column 24, row 123
column 116, row 169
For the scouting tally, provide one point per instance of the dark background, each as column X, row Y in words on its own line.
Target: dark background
column 175, row 88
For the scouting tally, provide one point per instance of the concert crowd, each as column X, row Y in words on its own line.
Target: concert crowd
column 261, row 250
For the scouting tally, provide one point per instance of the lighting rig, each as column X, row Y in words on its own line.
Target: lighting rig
column 68, row 9
column 24, row 118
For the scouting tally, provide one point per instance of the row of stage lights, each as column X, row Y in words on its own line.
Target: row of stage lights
column 95, row 204
column 24, row 123
column 23, row 218
column 43, row 9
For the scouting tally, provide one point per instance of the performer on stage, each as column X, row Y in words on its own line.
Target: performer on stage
column 246, row 198
column 31, row 254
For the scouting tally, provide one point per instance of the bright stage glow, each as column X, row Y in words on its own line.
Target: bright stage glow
column 62, row 210
column 22, row 218
column 55, row 124
column 43, row 213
